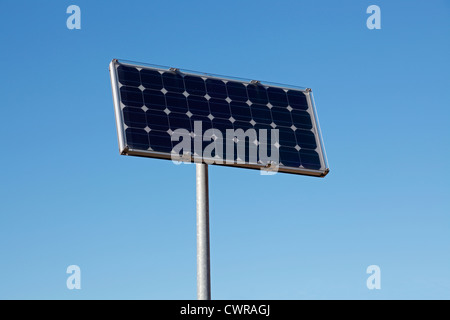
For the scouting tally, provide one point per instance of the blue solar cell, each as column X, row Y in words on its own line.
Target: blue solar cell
column 160, row 141
column 244, row 125
column 281, row 117
column 297, row 100
column 195, row 85
column 277, row 97
column 287, row 137
column 222, row 125
column 306, row 139
column 176, row 102
column 240, row 111
column 157, row 120
column 219, row 108
column 154, row 99
column 205, row 121
column 131, row 97
column 198, row 105
column 151, row 79
column 173, row 82
column 261, row 113
column 134, row 117
column 310, row 159
column 236, row 91
column 128, row 76
column 259, row 126
column 289, row 157
column 301, row 119
column 257, row 94
column 216, row 88
column 137, row 138
column 179, row 121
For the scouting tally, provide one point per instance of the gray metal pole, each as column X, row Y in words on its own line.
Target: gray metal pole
column 203, row 261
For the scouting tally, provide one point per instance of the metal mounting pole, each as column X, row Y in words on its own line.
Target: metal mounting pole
column 203, row 260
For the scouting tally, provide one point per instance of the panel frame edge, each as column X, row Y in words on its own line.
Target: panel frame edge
column 117, row 109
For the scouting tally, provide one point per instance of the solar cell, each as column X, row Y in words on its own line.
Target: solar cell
column 240, row 111
column 151, row 103
column 219, row 108
column 216, row 88
column 176, row 102
column 195, row 85
column 261, row 113
column 198, row 105
column 236, row 91
column 257, row 94
column 151, row 79
column 277, row 97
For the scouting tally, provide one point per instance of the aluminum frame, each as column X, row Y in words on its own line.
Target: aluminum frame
column 124, row 149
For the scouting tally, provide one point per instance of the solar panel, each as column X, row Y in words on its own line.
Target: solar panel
column 220, row 120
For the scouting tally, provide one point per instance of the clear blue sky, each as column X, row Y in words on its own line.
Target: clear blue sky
column 67, row 196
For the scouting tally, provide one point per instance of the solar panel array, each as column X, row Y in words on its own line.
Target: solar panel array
column 154, row 102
